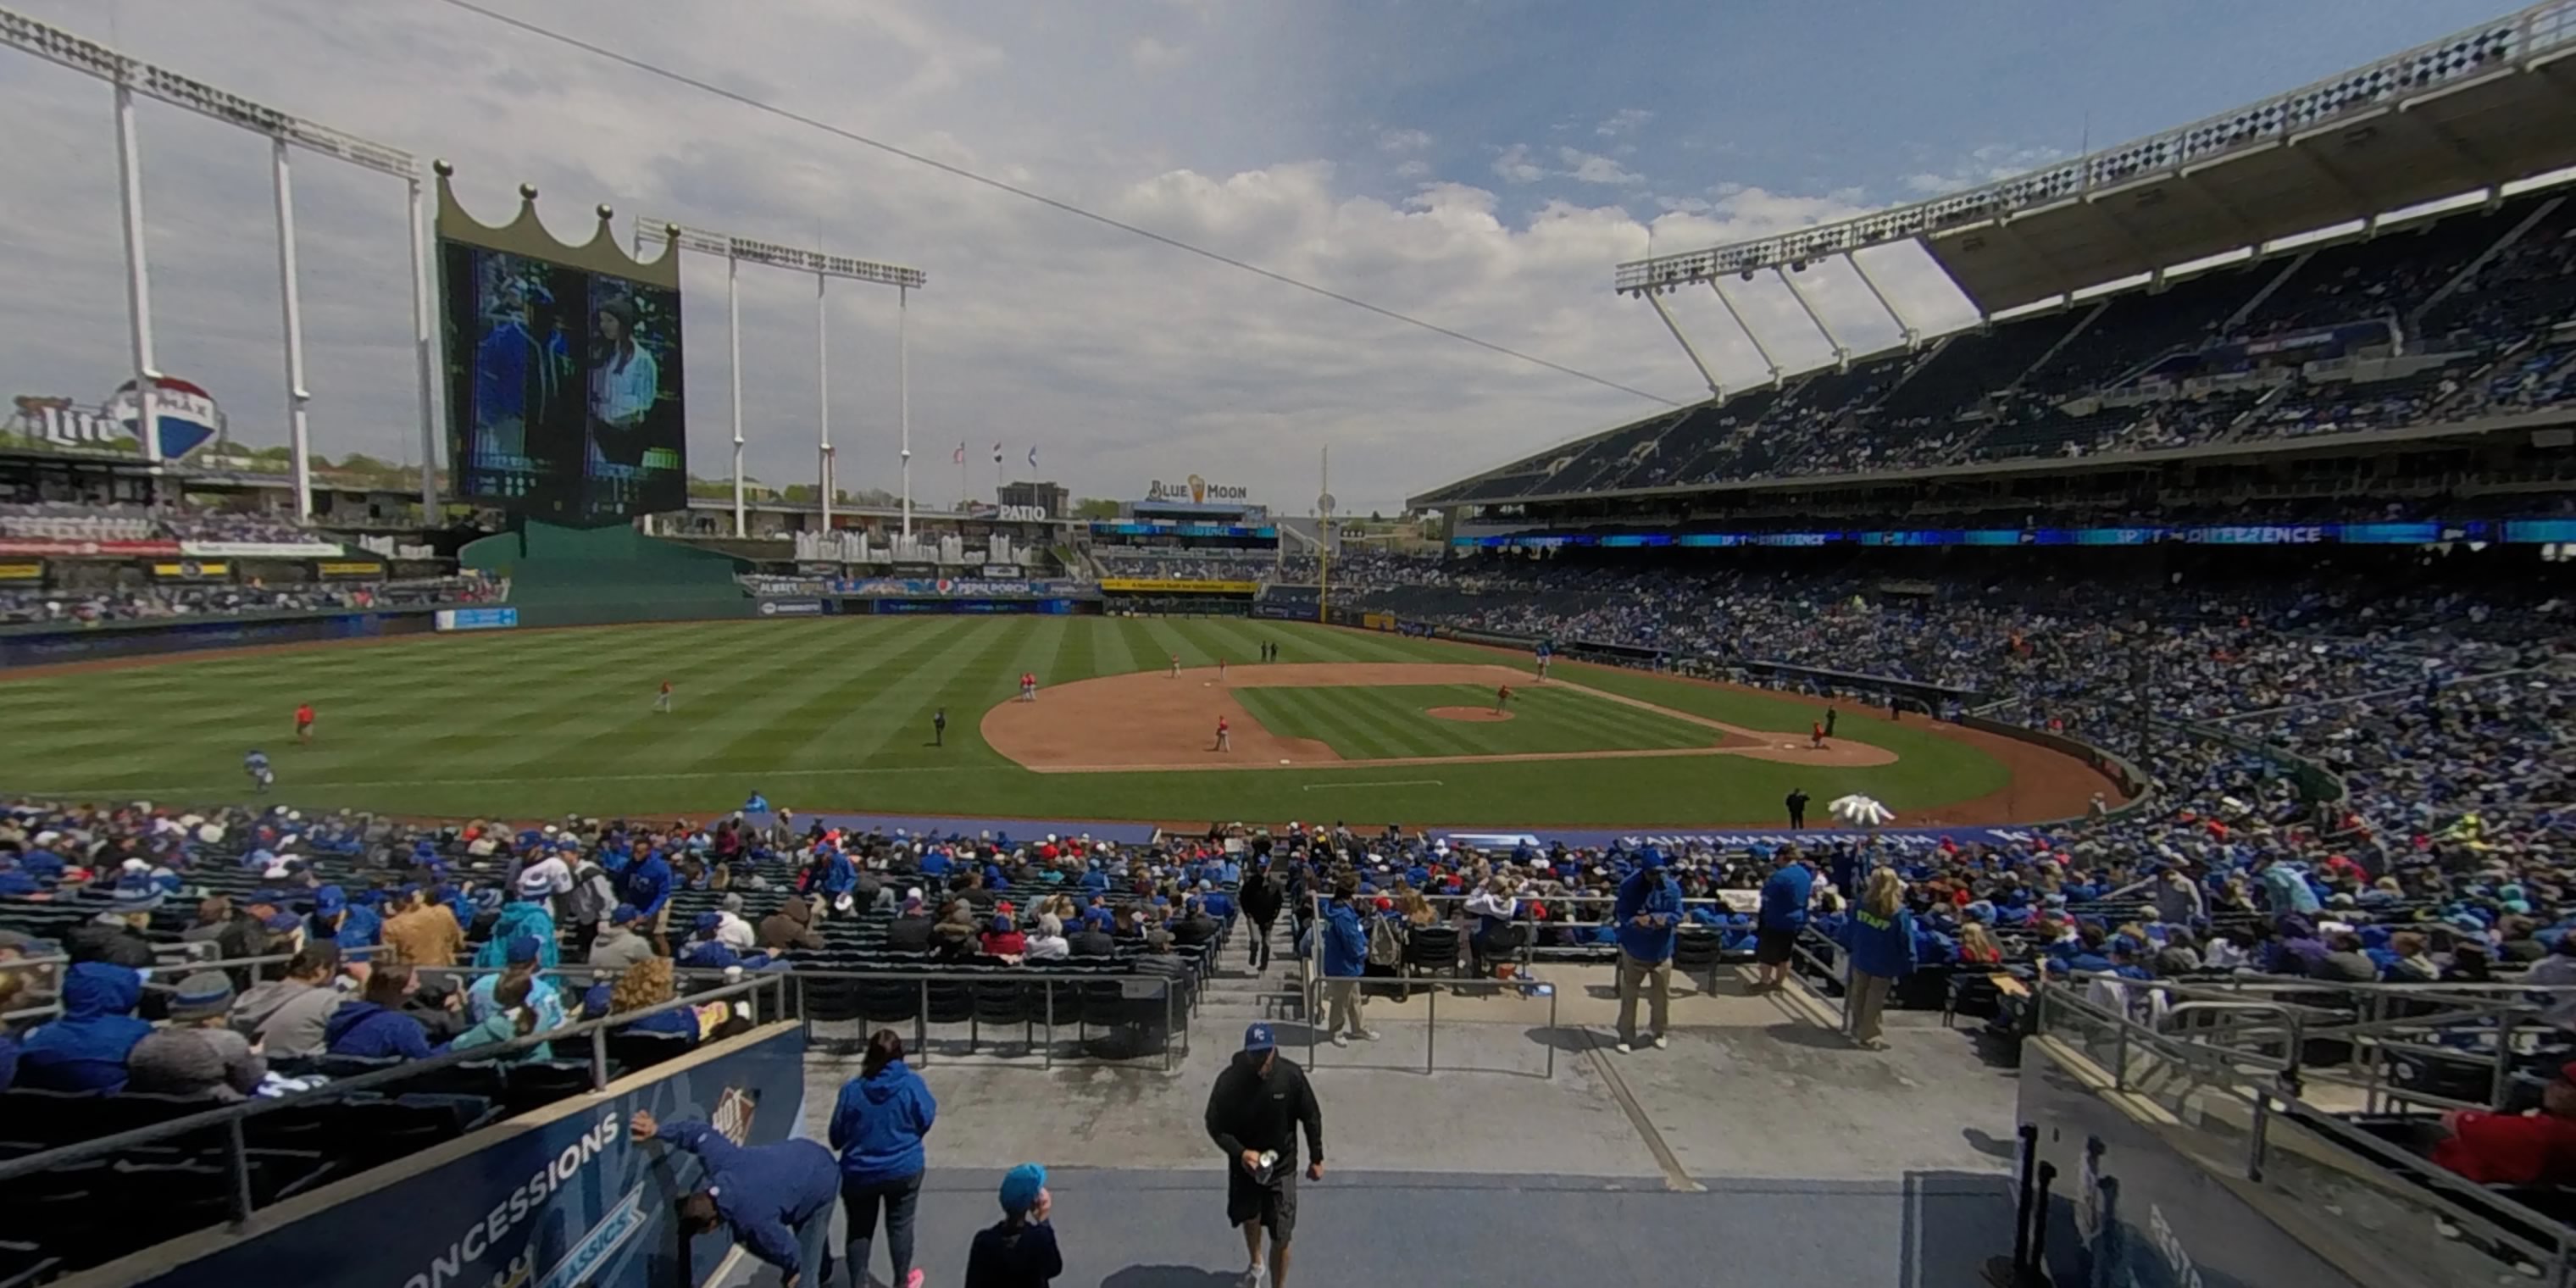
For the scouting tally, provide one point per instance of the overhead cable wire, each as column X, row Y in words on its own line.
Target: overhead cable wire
column 1025, row 194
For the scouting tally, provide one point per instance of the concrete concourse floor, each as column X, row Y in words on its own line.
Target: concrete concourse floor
column 1760, row 1148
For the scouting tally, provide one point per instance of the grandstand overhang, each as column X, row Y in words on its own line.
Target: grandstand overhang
column 2466, row 114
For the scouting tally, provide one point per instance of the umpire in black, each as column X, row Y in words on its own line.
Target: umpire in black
column 1253, row 1116
column 939, row 727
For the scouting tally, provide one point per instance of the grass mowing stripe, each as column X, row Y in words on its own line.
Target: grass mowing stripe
column 1370, row 714
column 1111, row 651
column 1617, row 725
column 876, row 698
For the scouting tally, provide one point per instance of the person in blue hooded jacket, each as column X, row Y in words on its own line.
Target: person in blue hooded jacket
column 1646, row 915
column 85, row 1050
column 775, row 1199
column 1879, row 938
column 648, row 887
column 374, row 1026
column 521, row 918
column 1785, row 894
column 1345, row 961
column 877, row 1128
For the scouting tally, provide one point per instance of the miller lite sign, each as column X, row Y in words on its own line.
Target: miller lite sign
column 187, row 415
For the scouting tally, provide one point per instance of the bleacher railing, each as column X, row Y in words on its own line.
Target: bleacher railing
column 2251, row 1124
column 229, row 1118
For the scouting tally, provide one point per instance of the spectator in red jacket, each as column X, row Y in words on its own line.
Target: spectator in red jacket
column 2516, row 1149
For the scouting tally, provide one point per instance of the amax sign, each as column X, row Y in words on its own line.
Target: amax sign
column 188, row 416
column 1197, row 491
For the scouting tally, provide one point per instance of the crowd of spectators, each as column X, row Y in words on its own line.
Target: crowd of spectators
column 104, row 521
column 133, row 603
column 1184, row 563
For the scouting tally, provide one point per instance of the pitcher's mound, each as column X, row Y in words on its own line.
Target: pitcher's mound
column 1472, row 715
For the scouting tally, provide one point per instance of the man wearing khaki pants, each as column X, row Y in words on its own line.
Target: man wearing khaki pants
column 1647, row 916
column 1345, row 961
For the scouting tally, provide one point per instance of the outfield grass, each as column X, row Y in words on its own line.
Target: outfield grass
column 1394, row 721
column 834, row 714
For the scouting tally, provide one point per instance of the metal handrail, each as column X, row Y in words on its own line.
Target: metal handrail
column 2464, row 1201
column 232, row 1115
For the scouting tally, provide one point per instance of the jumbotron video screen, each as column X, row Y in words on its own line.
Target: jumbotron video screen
column 564, row 387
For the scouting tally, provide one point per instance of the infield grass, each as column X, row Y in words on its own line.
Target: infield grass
column 834, row 714
column 1391, row 722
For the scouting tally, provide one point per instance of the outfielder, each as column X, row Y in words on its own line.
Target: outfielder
column 1224, row 735
column 662, row 700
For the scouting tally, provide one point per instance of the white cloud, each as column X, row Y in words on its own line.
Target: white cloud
column 1587, row 167
column 1403, row 140
column 1985, row 165
column 1415, row 168
column 1151, row 54
column 1119, row 359
column 1624, row 121
column 1515, row 166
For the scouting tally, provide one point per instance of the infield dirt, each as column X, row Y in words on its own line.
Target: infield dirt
column 1158, row 721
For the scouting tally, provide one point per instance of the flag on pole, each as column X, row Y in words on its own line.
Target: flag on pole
column 997, row 453
column 960, row 457
column 1033, row 458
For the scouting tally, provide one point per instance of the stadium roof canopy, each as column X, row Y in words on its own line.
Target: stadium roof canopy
column 2473, row 111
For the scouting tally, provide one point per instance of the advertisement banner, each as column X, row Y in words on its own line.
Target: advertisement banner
column 349, row 569
column 961, row 587
column 561, row 1198
column 22, row 572
column 190, row 569
column 1285, row 610
column 88, row 549
column 1048, row 607
column 1161, row 586
column 791, row 608
column 260, row 549
column 477, row 619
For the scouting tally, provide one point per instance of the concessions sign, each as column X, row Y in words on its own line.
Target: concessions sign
column 1164, row 586
column 88, row 549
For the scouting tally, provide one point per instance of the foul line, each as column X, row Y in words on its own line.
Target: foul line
column 1400, row 782
column 516, row 780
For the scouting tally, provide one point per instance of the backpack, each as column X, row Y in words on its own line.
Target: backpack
column 1385, row 946
column 586, row 904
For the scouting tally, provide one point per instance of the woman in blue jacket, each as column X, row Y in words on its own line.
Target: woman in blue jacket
column 877, row 1128
column 1879, row 938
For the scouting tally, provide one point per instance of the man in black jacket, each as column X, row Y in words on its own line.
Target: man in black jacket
column 1261, row 896
column 910, row 931
column 1253, row 1115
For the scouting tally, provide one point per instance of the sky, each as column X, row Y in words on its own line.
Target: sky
column 1479, row 164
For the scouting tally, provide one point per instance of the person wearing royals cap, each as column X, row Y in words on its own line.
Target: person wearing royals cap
column 1253, row 1114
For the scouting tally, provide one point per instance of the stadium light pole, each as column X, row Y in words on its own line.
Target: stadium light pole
column 823, row 393
column 138, row 283
column 742, row 250
column 733, row 341
column 299, row 438
column 903, row 397
column 132, row 76
column 424, row 342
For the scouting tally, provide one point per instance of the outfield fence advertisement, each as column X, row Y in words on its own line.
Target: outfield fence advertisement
column 1171, row 586
column 477, row 619
column 561, row 1198
column 51, row 644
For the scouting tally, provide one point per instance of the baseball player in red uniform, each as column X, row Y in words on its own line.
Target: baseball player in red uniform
column 1502, row 698
column 1176, row 666
column 1028, row 686
column 304, row 722
column 662, row 700
column 1816, row 736
column 1224, row 735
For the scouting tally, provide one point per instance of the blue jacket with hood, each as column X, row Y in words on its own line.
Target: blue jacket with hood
column 86, row 1049
column 878, row 1123
column 764, row 1192
column 1345, row 944
column 1648, row 892
column 520, row 917
column 372, row 1032
column 1880, row 946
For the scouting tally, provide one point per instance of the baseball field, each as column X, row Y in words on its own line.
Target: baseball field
column 836, row 714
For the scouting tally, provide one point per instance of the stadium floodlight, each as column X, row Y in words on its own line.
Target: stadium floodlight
column 824, row 267
column 131, row 77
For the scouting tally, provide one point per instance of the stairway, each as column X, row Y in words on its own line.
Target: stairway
column 1234, row 994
